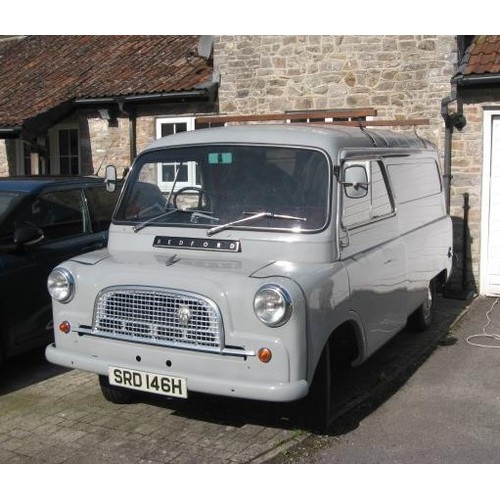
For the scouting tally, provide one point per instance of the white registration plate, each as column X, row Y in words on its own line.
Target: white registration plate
column 148, row 382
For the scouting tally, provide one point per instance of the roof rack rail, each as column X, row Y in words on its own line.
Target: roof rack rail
column 355, row 117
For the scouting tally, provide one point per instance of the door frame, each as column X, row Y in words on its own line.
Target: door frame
column 488, row 116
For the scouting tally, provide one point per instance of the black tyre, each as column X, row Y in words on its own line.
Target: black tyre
column 113, row 394
column 2, row 355
column 423, row 317
column 318, row 407
column 3, row 347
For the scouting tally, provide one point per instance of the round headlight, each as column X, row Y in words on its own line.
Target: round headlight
column 272, row 305
column 61, row 285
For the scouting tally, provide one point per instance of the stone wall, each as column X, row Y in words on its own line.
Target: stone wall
column 106, row 145
column 400, row 76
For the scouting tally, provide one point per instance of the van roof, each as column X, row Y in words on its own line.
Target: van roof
column 320, row 136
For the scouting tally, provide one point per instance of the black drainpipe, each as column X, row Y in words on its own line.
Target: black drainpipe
column 132, row 129
column 448, row 135
column 454, row 121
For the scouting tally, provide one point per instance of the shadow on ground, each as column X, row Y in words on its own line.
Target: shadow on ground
column 25, row 370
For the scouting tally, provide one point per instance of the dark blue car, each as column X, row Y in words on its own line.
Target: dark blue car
column 43, row 221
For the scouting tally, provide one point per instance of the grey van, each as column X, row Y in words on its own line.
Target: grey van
column 238, row 255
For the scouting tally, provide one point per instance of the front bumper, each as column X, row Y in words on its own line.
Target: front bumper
column 205, row 373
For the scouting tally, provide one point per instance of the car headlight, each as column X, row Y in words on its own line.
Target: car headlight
column 61, row 285
column 272, row 305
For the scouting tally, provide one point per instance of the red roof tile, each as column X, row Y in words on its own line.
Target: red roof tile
column 38, row 73
column 482, row 56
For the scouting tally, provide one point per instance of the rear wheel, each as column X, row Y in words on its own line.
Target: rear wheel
column 114, row 394
column 422, row 318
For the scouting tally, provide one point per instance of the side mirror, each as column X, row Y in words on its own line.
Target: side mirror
column 110, row 178
column 355, row 181
column 27, row 236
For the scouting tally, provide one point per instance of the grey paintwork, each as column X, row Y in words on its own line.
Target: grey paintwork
column 372, row 276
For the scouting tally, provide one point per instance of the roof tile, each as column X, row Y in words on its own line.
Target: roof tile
column 482, row 56
column 40, row 72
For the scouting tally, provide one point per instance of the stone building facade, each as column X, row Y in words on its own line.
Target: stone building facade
column 400, row 76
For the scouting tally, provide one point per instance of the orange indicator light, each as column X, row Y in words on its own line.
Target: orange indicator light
column 265, row 355
column 65, row 327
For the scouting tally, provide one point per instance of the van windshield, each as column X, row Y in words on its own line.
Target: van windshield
column 259, row 187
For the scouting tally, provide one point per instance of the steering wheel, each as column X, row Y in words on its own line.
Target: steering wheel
column 203, row 199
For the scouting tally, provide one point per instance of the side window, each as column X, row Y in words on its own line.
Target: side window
column 59, row 213
column 101, row 206
column 376, row 204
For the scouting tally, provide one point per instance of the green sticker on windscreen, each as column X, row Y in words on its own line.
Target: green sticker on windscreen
column 220, row 158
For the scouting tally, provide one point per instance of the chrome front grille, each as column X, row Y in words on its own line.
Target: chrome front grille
column 158, row 316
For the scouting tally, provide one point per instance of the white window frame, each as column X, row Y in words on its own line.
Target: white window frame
column 55, row 164
column 190, row 125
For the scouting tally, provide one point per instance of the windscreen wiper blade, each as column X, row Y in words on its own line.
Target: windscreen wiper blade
column 199, row 213
column 252, row 216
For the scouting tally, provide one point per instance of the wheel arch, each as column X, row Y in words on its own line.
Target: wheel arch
column 347, row 341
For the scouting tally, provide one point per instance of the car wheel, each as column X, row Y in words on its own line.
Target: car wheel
column 3, row 346
column 423, row 317
column 318, row 407
column 113, row 394
column 2, row 355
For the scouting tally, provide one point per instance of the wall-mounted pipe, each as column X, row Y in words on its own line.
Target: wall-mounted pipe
column 448, row 136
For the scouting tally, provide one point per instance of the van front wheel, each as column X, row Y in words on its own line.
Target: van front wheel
column 113, row 394
column 318, row 407
column 422, row 318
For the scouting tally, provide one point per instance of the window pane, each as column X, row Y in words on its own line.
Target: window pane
column 381, row 203
column 69, row 162
column 64, row 165
column 168, row 173
column 376, row 203
column 101, row 205
column 180, row 127
column 59, row 214
column 73, row 142
column 356, row 210
column 167, row 129
column 74, row 165
column 63, row 142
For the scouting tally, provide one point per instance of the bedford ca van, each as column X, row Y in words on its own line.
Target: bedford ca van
column 238, row 255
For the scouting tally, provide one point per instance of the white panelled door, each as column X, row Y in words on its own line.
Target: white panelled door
column 490, row 254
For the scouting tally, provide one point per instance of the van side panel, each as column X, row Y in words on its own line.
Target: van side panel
column 375, row 261
column 424, row 226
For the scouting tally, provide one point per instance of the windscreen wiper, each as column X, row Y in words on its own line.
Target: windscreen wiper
column 198, row 213
column 252, row 216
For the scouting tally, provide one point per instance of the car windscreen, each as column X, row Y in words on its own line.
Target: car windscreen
column 247, row 186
